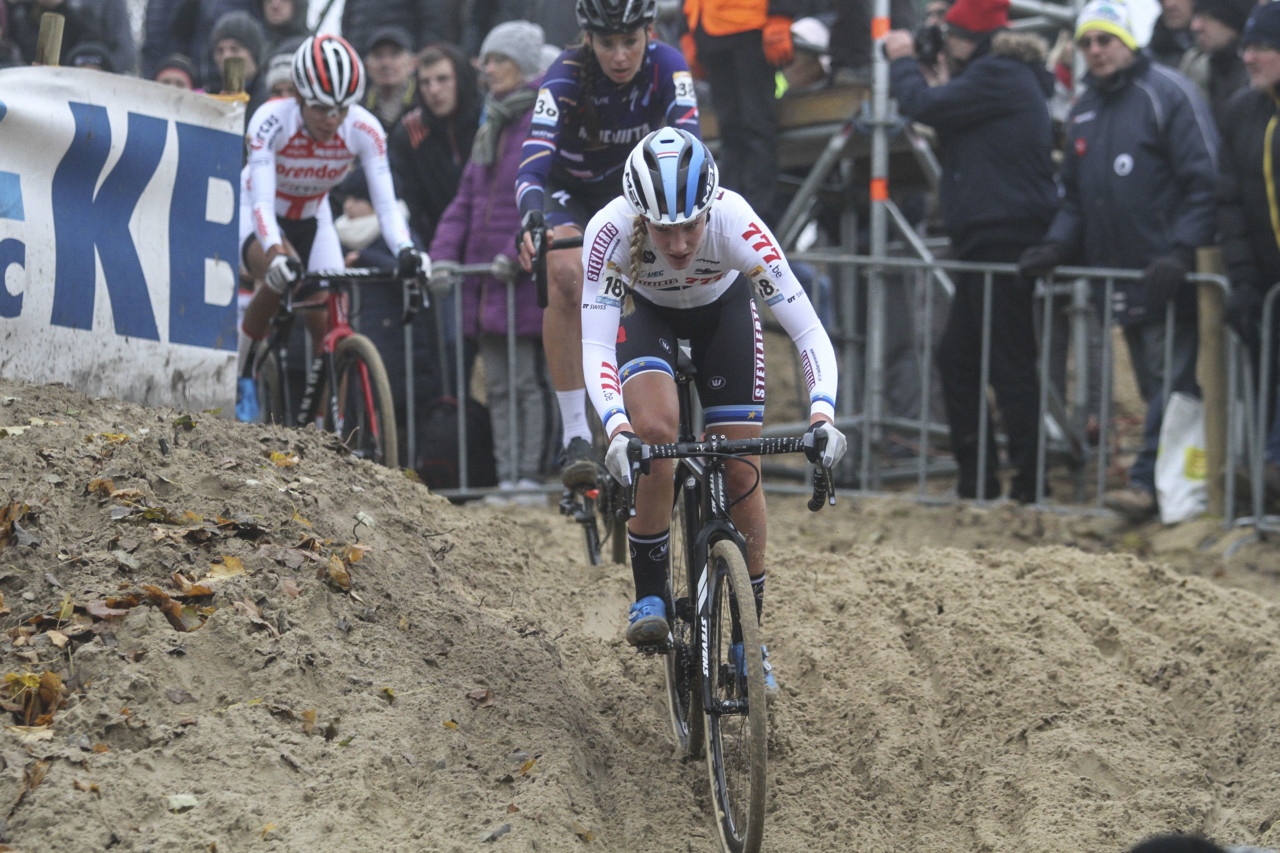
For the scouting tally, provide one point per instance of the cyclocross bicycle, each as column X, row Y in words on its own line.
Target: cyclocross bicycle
column 714, row 669
column 591, row 507
column 346, row 387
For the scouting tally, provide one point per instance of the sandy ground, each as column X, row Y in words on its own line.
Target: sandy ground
column 369, row 667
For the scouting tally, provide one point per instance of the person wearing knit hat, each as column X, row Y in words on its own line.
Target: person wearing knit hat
column 997, row 197
column 1247, row 210
column 1110, row 17
column 979, row 16
column 519, row 41
column 279, row 76
column 1138, row 177
column 89, row 54
column 1263, row 27
column 238, row 34
column 178, row 71
column 1215, row 65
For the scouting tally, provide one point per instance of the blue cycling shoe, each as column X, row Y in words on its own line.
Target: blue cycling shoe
column 770, row 683
column 648, row 621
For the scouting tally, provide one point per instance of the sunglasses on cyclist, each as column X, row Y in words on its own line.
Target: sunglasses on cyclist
column 329, row 112
column 1088, row 40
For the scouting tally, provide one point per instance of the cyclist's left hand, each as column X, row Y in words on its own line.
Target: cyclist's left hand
column 615, row 459
column 412, row 263
column 824, row 444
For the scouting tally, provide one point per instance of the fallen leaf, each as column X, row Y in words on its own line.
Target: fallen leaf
column 32, row 734
column 336, row 573
column 390, row 694
column 284, row 458
column 185, row 422
column 101, row 488
column 308, row 720
column 527, row 766
column 179, row 697
column 450, row 724
column 287, row 585
column 58, row 638
column 101, row 610
column 583, row 833
column 365, row 519
column 229, row 567
column 89, row 788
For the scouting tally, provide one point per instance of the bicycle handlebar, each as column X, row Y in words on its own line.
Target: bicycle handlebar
column 641, row 455
column 540, row 249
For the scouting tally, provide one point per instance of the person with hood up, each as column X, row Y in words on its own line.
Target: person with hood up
column 998, row 198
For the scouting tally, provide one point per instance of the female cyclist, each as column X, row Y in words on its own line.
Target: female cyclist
column 597, row 100
column 676, row 257
column 299, row 149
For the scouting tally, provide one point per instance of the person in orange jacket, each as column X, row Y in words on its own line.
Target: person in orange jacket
column 739, row 44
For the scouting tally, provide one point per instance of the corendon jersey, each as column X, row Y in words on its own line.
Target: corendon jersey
column 736, row 242
column 557, row 147
column 289, row 174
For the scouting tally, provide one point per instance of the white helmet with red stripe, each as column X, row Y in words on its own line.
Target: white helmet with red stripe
column 327, row 70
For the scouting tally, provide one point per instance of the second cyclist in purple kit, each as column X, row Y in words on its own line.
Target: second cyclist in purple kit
column 596, row 102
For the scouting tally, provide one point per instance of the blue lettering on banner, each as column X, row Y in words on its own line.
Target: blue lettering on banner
column 83, row 222
column 203, row 154
column 11, row 251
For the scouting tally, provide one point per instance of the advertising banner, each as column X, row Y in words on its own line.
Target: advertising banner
column 118, row 236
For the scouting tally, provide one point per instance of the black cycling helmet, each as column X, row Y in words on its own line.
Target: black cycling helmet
column 615, row 16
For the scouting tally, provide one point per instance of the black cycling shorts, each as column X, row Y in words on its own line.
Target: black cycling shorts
column 301, row 234
column 726, row 343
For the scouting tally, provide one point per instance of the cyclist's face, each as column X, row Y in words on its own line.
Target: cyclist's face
column 620, row 54
column 678, row 243
column 321, row 121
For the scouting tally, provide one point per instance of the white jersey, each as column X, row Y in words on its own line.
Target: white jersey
column 289, row 174
column 736, row 242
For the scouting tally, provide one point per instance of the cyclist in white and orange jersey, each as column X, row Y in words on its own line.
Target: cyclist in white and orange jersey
column 299, row 149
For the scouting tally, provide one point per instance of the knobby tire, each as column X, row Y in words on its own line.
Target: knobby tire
column 683, row 662
column 270, row 381
column 737, row 743
column 365, row 404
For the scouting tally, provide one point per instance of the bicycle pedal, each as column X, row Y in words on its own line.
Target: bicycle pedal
column 651, row 649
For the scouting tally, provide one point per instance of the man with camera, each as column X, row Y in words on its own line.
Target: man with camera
column 998, row 198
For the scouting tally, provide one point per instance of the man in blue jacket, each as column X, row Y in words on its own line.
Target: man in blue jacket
column 998, row 197
column 1138, row 178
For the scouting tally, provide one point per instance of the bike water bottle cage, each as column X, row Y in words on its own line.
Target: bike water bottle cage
column 615, row 16
column 328, row 72
column 670, row 178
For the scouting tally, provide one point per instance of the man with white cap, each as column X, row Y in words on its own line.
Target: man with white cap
column 1138, row 177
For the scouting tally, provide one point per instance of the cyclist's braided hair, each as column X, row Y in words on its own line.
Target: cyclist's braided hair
column 586, row 111
column 637, row 261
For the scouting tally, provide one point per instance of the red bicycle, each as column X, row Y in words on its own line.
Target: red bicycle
column 346, row 390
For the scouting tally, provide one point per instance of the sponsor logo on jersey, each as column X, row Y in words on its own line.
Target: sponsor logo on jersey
column 705, row 271
column 760, row 241
column 379, row 141
column 314, row 172
column 757, row 389
column 600, row 249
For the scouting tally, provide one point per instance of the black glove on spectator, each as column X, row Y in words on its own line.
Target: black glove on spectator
column 1161, row 280
column 1038, row 260
column 533, row 220
column 1244, row 314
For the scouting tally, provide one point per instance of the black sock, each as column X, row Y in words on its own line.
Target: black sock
column 757, row 592
column 649, row 555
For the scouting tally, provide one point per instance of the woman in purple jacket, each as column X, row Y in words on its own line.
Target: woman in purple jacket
column 475, row 228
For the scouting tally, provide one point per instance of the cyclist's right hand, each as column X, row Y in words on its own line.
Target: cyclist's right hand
column 283, row 271
column 824, row 444
column 615, row 459
column 532, row 236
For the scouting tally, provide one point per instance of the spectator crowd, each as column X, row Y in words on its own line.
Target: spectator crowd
column 1158, row 149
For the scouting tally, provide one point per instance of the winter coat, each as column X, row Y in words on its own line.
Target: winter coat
column 104, row 21
column 295, row 28
column 480, row 223
column 1218, row 76
column 996, row 140
column 1168, row 47
column 1250, row 247
column 1138, row 176
column 426, row 21
column 427, row 153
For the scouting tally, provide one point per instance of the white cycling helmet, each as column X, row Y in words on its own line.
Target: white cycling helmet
column 328, row 71
column 670, row 177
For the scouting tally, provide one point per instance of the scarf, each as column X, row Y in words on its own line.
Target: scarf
column 498, row 114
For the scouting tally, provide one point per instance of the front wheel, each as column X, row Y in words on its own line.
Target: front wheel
column 271, row 391
column 737, row 716
column 366, row 410
column 684, row 687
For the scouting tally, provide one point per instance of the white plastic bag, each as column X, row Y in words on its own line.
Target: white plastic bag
column 1182, row 488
